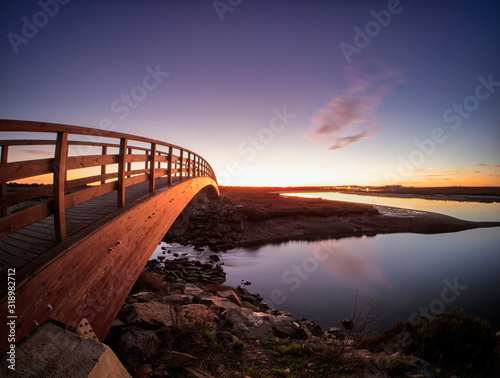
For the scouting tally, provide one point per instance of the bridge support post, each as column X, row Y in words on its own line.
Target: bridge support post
column 181, row 165
column 121, row 172
column 152, row 167
column 169, row 168
column 103, row 167
column 60, row 185
column 3, row 186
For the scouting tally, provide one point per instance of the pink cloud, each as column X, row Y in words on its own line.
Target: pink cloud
column 350, row 117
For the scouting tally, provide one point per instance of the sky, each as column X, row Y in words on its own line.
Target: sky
column 271, row 93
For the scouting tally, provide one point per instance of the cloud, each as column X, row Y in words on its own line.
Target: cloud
column 351, row 117
column 38, row 153
column 480, row 165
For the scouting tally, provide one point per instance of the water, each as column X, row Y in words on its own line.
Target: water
column 473, row 211
column 403, row 275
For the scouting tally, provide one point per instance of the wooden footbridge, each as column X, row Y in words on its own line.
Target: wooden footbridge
column 73, row 248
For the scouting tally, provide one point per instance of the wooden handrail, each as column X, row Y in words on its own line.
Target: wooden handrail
column 180, row 163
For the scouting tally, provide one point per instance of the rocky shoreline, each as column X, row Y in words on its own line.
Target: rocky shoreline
column 233, row 222
column 180, row 320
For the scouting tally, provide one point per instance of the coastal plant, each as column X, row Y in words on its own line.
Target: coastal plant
column 450, row 341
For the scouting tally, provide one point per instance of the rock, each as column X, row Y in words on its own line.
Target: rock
column 197, row 312
column 191, row 289
column 240, row 329
column 240, row 315
column 261, row 331
column 149, row 314
column 178, row 286
column 212, row 300
column 214, row 257
column 136, row 344
column 176, row 360
column 143, row 296
column 250, row 306
column 144, row 371
column 161, row 372
column 284, row 326
column 178, row 299
column 312, row 327
column 230, row 295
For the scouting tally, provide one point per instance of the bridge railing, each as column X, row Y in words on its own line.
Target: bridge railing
column 114, row 161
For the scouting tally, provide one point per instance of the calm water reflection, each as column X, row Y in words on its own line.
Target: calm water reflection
column 402, row 273
column 473, row 211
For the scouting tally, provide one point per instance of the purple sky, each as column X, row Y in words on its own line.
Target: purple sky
column 271, row 92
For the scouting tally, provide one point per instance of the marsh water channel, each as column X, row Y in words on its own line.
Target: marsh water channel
column 403, row 275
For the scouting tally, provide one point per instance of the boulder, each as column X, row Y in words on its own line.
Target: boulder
column 136, row 344
column 230, row 295
column 240, row 315
column 178, row 299
column 212, row 300
column 176, row 360
column 191, row 289
column 149, row 315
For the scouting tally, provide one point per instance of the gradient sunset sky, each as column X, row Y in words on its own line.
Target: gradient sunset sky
column 271, row 92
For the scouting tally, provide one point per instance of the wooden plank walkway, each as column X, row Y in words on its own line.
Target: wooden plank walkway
column 23, row 248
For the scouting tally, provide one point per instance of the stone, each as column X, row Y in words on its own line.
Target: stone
column 230, row 295
column 250, row 306
column 176, row 360
column 212, row 300
column 191, row 289
column 261, row 331
column 240, row 329
column 149, row 314
column 178, row 299
column 240, row 315
column 136, row 344
column 143, row 296
column 178, row 286
column 144, row 371
column 51, row 351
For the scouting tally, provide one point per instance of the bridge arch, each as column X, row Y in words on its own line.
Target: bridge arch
column 96, row 230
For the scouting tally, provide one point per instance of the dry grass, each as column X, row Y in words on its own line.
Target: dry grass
column 263, row 203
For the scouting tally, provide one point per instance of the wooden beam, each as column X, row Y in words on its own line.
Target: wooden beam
column 103, row 167
column 60, row 185
column 121, row 172
column 169, row 168
column 189, row 165
column 181, row 165
column 3, row 186
column 152, row 168
column 128, row 158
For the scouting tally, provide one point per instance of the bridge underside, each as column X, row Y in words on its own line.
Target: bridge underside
column 89, row 274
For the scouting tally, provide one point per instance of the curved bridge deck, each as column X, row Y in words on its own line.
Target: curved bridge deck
column 109, row 200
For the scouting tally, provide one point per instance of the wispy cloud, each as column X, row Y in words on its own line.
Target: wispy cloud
column 38, row 153
column 351, row 117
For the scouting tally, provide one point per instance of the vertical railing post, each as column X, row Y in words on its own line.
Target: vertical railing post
column 121, row 172
column 3, row 187
column 103, row 167
column 60, row 185
column 189, row 165
column 181, row 167
column 169, row 167
column 129, row 164
column 152, row 172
